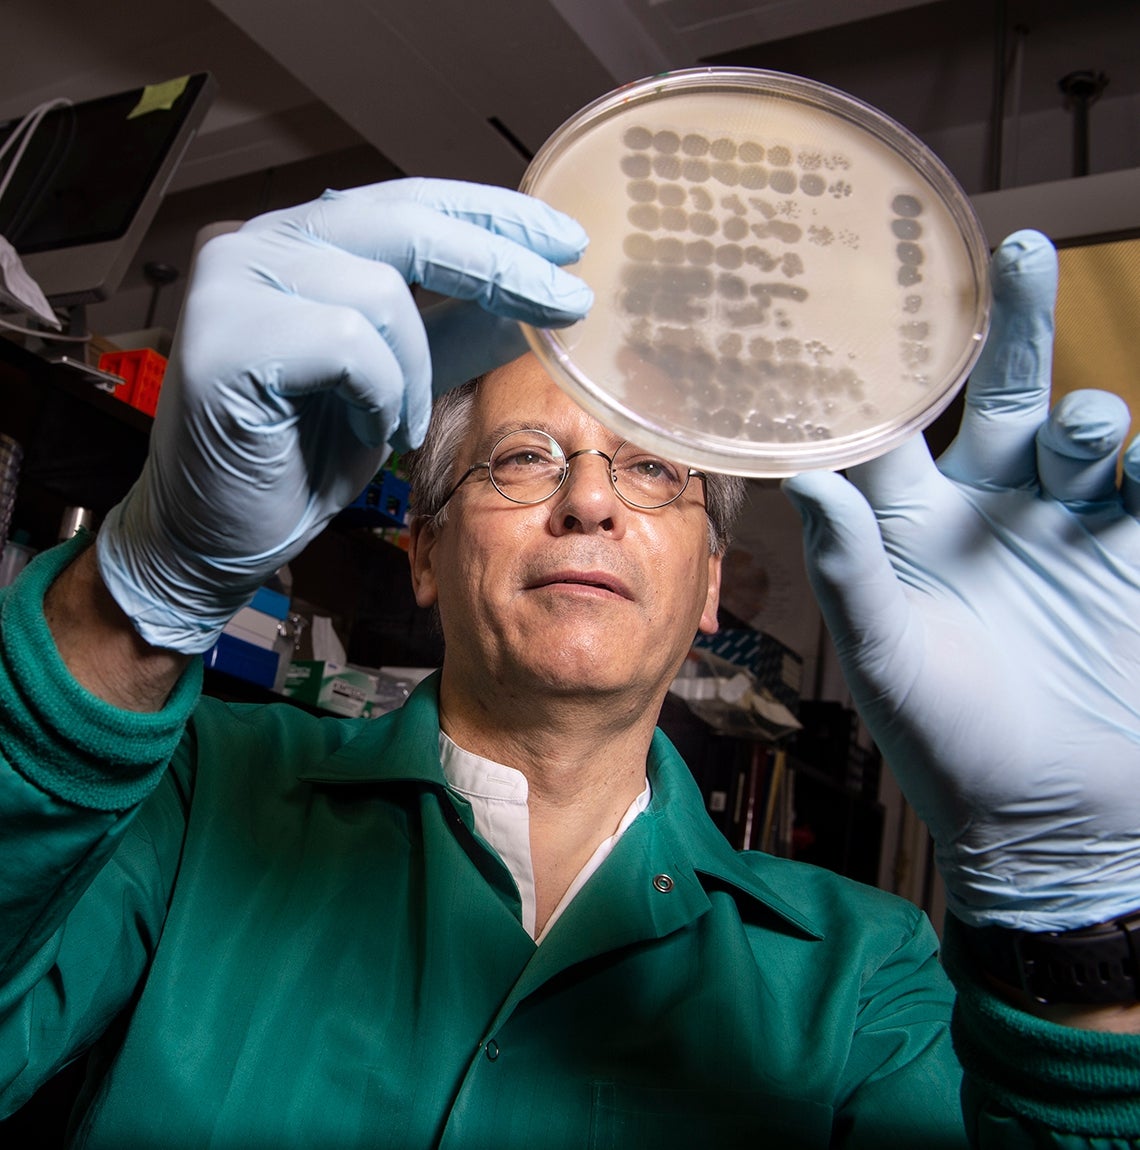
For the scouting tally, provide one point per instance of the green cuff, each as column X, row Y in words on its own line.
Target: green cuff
column 59, row 736
column 1082, row 1082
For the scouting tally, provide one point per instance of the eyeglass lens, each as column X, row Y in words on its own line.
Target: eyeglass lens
column 528, row 467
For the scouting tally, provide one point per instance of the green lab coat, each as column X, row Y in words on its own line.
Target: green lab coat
column 291, row 936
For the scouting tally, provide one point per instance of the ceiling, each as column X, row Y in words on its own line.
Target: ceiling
column 349, row 91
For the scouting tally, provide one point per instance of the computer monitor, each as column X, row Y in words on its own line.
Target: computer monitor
column 90, row 181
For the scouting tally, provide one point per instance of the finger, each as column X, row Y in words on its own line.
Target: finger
column 893, row 480
column 484, row 253
column 1130, row 487
column 363, row 371
column 1007, row 397
column 335, row 277
column 861, row 599
column 1078, row 445
column 467, row 341
column 462, row 260
column 521, row 218
column 330, row 348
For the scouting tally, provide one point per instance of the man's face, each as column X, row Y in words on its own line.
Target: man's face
column 581, row 594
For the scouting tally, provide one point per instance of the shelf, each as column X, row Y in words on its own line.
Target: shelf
column 22, row 368
column 81, row 446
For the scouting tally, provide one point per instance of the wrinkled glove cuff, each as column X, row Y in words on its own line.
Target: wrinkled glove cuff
column 145, row 586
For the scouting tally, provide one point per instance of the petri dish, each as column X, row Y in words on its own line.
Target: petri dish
column 785, row 279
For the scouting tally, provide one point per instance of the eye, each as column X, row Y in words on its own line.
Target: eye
column 525, row 451
column 522, row 457
column 649, row 469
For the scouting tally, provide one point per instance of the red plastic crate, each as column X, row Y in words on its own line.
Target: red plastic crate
column 141, row 371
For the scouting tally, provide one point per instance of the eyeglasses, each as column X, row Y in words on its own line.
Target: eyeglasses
column 529, row 466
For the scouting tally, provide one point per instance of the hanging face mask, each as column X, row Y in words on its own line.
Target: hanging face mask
column 18, row 290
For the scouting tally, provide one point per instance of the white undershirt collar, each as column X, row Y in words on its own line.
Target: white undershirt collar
column 498, row 798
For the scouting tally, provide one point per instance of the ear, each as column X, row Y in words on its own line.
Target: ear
column 421, row 549
column 708, row 624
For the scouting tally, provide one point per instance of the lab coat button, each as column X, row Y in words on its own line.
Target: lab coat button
column 663, row 883
column 492, row 1049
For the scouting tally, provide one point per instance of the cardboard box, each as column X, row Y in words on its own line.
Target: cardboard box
column 775, row 665
column 255, row 627
column 331, row 686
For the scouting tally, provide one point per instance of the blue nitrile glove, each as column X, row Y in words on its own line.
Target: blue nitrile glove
column 301, row 359
column 986, row 614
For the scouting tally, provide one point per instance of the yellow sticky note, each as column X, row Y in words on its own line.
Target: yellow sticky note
column 159, row 97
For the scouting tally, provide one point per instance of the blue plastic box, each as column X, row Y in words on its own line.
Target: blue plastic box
column 243, row 660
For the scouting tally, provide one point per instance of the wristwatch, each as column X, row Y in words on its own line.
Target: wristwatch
column 1096, row 964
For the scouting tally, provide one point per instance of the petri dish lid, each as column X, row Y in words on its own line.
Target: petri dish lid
column 785, row 279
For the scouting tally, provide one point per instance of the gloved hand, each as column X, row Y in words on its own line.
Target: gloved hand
column 986, row 614
column 301, row 360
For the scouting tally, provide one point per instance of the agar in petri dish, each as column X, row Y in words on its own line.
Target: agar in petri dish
column 784, row 278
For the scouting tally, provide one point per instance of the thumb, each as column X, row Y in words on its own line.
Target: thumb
column 466, row 341
column 862, row 601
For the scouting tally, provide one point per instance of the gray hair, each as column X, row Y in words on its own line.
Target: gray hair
column 431, row 469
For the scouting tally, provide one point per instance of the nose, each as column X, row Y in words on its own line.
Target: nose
column 587, row 502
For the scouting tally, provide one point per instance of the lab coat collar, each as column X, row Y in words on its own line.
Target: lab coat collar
column 399, row 747
column 674, row 837
column 698, row 846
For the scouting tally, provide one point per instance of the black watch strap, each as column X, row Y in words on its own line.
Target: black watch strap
column 1097, row 964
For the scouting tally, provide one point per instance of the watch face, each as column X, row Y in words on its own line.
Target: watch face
column 784, row 278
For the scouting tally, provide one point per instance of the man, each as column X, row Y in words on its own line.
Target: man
column 500, row 916
column 565, row 620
